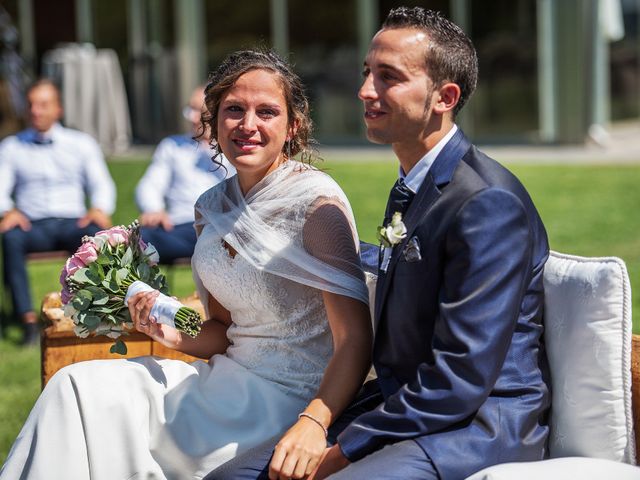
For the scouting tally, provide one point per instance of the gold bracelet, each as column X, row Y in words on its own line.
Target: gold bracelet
column 314, row 419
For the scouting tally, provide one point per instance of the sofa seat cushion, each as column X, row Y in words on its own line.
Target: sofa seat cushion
column 560, row 469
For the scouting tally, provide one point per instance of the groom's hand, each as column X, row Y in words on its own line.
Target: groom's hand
column 331, row 462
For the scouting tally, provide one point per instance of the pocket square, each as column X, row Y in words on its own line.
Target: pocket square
column 411, row 252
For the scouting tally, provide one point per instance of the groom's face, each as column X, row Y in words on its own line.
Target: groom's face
column 397, row 92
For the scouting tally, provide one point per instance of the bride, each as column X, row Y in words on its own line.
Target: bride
column 288, row 335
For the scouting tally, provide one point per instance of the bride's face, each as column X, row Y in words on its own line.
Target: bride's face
column 253, row 125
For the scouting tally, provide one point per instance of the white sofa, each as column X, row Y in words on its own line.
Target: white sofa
column 589, row 345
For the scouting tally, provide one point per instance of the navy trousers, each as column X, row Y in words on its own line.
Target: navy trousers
column 45, row 235
column 177, row 243
column 403, row 460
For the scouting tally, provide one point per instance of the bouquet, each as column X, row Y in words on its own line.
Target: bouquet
column 106, row 270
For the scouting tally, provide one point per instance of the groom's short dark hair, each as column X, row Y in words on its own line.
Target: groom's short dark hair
column 451, row 56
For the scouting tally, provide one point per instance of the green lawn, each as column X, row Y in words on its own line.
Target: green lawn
column 588, row 210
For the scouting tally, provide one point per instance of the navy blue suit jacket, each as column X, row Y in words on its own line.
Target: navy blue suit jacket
column 457, row 348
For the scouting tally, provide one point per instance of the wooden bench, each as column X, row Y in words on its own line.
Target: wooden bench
column 635, row 389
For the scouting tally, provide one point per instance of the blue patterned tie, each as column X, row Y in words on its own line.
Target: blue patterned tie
column 399, row 199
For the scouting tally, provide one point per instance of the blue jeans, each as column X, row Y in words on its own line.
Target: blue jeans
column 177, row 243
column 45, row 235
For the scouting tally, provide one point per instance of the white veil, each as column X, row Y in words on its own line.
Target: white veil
column 295, row 223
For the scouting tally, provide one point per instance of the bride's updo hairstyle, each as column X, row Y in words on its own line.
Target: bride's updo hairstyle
column 241, row 62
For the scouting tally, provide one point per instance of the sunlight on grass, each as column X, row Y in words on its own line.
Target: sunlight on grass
column 20, row 380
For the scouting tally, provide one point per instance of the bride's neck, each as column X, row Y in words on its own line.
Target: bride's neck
column 249, row 178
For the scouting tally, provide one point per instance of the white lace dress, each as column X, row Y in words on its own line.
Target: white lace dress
column 150, row 418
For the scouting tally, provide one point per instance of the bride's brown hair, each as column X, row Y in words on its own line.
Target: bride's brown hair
column 241, row 62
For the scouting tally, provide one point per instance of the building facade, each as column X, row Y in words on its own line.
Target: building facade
column 551, row 71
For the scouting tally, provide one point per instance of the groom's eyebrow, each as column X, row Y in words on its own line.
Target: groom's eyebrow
column 384, row 66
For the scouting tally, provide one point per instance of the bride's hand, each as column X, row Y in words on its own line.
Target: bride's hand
column 298, row 452
column 140, row 306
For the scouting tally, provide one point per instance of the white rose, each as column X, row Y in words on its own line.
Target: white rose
column 152, row 254
column 396, row 230
column 100, row 240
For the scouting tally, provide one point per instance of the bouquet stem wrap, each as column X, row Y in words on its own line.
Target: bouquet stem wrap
column 168, row 310
column 165, row 307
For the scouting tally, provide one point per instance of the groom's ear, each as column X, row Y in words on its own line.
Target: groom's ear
column 447, row 97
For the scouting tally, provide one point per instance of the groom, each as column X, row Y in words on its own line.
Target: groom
column 458, row 312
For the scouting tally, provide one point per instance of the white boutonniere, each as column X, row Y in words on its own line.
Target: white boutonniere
column 394, row 232
column 390, row 236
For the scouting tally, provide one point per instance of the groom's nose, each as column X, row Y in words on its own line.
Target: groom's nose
column 367, row 90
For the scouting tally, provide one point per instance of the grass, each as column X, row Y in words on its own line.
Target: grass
column 588, row 210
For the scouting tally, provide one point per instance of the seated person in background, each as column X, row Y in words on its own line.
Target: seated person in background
column 180, row 171
column 45, row 173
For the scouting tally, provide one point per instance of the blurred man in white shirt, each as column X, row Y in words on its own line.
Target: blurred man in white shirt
column 48, row 174
column 180, row 171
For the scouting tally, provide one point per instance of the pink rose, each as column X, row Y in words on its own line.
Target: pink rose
column 87, row 253
column 115, row 235
column 142, row 244
column 73, row 264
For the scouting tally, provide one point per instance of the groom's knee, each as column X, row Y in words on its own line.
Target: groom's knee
column 251, row 465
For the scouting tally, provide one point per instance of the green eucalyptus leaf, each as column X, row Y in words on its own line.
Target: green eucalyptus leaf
column 112, row 278
column 119, row 347
column 96, row 269
column 122, row 316
column 101, row 308
column 121, row 275
column 100, row 297
column 109, row 285
column 144, row 272
column 80, row 277
column 91, row 321
column 104, row 259
column 81, row 300
column 127, row 258
column 158, row 280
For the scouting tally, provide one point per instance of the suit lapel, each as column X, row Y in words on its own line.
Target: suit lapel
column 439, row 175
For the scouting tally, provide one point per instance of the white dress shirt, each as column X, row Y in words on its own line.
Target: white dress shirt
column 47, row 175
column 417, row 174
column 180, row 171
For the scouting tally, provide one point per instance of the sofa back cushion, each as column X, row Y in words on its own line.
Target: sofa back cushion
column 588, row 338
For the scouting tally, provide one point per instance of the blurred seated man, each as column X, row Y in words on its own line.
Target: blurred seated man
column 180, row 171
column 46, row 171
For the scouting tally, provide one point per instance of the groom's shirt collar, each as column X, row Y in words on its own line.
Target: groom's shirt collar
column 417, row 174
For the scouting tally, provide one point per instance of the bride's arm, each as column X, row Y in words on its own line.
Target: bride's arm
column 329, row 237
column 299, row 450
column 212, row 338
